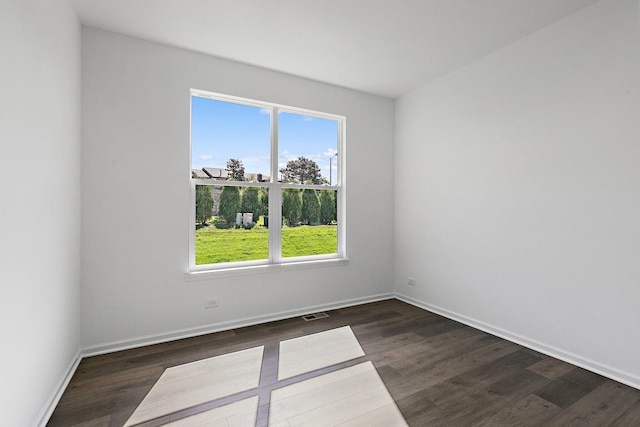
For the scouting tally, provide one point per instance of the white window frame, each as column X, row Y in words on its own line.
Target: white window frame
column 275, row 259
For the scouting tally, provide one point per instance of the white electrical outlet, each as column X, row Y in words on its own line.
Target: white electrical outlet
column 212, row 303
column 411, row 281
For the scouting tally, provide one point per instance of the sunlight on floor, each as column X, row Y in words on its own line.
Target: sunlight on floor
column 183, row 386
column 351, row 396
column 311, row 352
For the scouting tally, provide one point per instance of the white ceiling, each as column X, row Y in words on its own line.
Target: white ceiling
column 385, row 47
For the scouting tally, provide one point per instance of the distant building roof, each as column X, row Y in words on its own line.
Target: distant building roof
column 217, row 173
column 198, row 174
column 225, row 174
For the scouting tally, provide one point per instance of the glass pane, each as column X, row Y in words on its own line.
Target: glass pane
column 310, row 224
column 229, row 141
column 231, row 224
column 307, row 149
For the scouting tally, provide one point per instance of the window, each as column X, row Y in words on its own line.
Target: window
column 266, row 183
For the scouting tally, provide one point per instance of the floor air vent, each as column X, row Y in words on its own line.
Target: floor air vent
column 315, row 316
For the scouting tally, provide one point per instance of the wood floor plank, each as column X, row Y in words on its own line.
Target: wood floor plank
column 412, row 381
column 629, row 418
column 608, row 401
column 551, row 368
column 570, row 387
column 415, row 405
column 530, row 410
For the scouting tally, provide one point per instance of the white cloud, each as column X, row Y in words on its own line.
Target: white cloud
column 308, row 119
column 330, row 152
column 206, row 157
column 265, row 111
column 285, row 156
column 257, row 164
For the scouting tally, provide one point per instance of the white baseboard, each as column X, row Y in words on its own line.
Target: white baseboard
column 224, row 326
column 52, row 402
column 574, row 359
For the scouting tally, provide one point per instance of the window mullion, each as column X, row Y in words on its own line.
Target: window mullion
column 192, row 225
column 341, row 213
column 275, row 221
column 275, row 196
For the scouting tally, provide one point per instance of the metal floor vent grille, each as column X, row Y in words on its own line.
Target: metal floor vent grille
column 315, row 316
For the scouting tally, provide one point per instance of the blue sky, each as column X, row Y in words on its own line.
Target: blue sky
column 223, row 130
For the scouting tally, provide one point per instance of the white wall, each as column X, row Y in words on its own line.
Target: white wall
column 135, row 208
column 40, row 212
column 523, row 170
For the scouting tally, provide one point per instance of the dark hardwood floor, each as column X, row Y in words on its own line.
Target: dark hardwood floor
column 439, row 372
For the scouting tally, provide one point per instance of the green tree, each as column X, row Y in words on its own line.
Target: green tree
column 237, row 169
column 291, row 206
column 310, row 207
column 204, row 203
column 264, row 201
column 327, row 207
column 302, row 171
column 251, row 202
column 229, row 204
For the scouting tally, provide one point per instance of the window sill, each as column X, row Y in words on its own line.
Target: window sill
column 195, row 276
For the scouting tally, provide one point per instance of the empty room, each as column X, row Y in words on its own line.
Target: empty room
column 298, row 213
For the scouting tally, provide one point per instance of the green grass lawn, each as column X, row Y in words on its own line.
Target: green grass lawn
column 309, row 240
column 214, row 246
